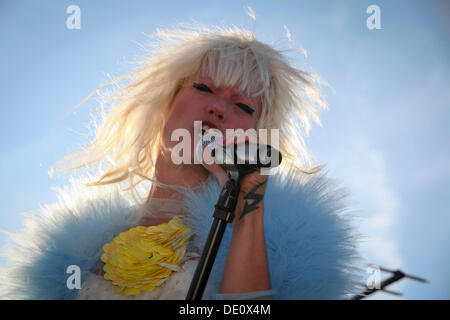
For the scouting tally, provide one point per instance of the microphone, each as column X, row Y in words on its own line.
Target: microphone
column 244, row 157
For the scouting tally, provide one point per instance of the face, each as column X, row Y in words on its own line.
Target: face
column 221, row 108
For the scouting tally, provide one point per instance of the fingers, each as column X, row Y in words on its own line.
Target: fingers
column 218, row 172
column 208, row 160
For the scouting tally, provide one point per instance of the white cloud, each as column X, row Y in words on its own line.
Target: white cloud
column 251, row 13
column 374, row 196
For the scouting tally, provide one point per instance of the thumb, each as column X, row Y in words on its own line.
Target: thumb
column 214, row 168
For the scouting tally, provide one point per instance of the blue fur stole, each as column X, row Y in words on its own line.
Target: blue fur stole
column 311, row 245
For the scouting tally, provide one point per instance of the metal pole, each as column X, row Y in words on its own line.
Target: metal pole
column 223, row 214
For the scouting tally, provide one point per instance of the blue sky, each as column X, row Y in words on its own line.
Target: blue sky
column 383, row 137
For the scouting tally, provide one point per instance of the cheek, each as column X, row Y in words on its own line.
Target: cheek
column 182, row 115
column 245, row 121
column 239, row 123
column 186, row 107
column 174, row 120
column 177, row 113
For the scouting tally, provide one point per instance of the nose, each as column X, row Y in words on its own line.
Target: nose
column 216, row 110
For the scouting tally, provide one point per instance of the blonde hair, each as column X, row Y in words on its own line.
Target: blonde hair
column 130, row 137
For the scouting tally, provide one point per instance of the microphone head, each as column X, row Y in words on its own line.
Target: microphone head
column 253, row 155
column 248, row 155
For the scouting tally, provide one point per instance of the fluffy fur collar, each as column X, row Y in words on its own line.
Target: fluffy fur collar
column 310, row 242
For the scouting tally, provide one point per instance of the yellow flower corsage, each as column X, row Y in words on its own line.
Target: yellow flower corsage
column 143, row 257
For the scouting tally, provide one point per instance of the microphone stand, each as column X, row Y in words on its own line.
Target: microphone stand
column 223, row 214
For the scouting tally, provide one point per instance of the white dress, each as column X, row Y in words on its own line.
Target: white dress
column 174, row 287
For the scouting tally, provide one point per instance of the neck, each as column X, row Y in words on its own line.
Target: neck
column 166, row 172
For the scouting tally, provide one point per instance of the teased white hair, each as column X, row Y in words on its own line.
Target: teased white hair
column 130, row 136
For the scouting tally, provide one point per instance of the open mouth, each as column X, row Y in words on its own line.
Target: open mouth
column 206, row 126
column 209, row 137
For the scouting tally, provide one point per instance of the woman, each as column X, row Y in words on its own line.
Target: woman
column 287, row 239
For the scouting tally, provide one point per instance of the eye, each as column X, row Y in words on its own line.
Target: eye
column 246, row 108
column 205, row 88
column 202, row 87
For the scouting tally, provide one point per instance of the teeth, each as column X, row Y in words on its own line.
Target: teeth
column 205, row 127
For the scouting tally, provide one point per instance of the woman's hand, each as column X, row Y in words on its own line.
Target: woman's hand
column 253, row 185
column 246, row 267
